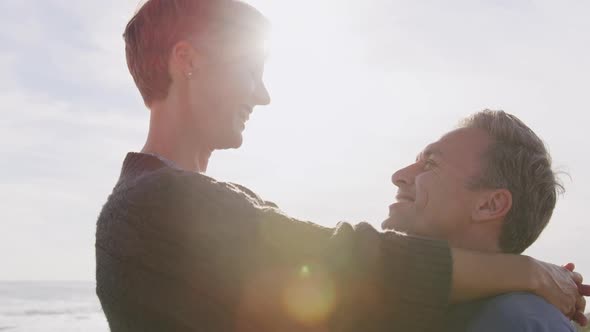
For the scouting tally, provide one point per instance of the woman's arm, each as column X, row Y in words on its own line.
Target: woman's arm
column 406, row 282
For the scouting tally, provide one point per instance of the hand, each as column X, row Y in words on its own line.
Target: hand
column 559, row 286
column 584, row 290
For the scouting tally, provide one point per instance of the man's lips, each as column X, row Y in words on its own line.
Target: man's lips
column 404, row 198
column 400, row 198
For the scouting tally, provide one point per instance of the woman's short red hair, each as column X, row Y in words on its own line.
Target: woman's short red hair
column 159, row 24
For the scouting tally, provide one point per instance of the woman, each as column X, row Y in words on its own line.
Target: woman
column 177, row 250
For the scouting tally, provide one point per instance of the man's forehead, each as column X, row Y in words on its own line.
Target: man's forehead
column 465, row 143
column 458, row 141
column 466, row 135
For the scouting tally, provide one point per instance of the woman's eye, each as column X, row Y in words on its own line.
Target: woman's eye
column 255, row 73
column 253, row 70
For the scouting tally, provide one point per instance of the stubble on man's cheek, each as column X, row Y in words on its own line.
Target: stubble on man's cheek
column 421, row 212
column 421, row 199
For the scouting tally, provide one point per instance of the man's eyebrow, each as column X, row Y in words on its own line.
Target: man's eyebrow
column 429, row 152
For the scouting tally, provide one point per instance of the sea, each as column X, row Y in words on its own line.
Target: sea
column 65, row 306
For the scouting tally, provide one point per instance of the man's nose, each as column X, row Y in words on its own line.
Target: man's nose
column 261, row 94
column 404, row 176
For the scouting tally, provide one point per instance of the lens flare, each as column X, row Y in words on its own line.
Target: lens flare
column 304, row 272
column 310, row 297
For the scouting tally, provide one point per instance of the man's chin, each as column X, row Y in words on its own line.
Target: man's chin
column 396, row 224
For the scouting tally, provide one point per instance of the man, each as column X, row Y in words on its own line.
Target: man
column 487, row 186
column 179, row 251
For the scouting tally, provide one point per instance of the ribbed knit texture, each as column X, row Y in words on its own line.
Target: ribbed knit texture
column 179, row 251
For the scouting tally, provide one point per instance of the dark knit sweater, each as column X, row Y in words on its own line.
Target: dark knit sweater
column 179, row 251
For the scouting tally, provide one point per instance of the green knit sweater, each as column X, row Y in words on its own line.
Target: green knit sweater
column 180, row 251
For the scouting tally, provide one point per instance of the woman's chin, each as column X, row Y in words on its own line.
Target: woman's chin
column 232, row 141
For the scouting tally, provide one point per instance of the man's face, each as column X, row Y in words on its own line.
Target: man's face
column 433, row 198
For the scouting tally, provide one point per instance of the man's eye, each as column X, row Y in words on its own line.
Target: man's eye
column 429, row 164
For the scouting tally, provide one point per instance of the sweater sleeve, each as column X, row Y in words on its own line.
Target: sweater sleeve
column 364, row 280
column 191, row 251
column 378, row 281
column 393, row 281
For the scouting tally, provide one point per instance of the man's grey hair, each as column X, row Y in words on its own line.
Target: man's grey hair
column 517, row 160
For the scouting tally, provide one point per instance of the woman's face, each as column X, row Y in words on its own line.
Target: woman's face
column 223, row 92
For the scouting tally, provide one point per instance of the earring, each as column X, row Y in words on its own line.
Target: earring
column 189, row 75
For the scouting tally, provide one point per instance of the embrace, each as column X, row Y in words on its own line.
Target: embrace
column 177, row 250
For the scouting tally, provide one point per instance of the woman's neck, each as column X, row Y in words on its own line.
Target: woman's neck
column 195, row 161
column 167, row 140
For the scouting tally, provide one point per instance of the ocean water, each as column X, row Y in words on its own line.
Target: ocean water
column 50, row 306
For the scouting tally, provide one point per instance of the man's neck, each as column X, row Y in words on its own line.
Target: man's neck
column 484, row 242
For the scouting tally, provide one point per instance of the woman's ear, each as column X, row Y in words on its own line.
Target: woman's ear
column 184, row 60
column 492, row 205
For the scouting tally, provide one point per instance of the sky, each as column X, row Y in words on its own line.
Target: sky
column 358, row 89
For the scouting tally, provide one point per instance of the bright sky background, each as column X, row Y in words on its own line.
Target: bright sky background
column 358, row 88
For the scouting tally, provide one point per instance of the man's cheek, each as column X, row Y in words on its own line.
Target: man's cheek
column 422, row 199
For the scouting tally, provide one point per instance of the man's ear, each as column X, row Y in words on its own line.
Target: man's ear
column 492, row 205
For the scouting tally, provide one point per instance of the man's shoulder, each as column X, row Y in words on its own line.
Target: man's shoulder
column 519, row 304
column 518, row 312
